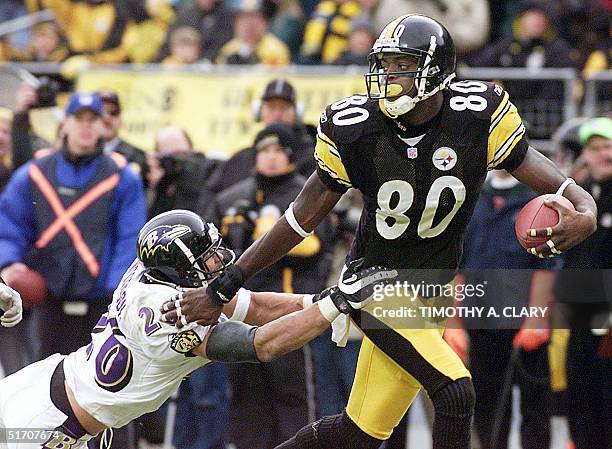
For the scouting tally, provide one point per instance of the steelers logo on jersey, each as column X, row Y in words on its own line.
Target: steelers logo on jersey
column 444, row 158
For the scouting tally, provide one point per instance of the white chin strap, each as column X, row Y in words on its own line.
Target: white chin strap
column 400, row 106
column 406, row 103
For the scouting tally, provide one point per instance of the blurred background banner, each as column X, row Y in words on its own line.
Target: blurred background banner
column 216, row 109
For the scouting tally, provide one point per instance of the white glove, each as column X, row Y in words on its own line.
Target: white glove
column 354, row 291
column 10, row 304
column 358, row 286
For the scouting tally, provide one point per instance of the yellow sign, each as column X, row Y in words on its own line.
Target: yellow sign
column 215, row 109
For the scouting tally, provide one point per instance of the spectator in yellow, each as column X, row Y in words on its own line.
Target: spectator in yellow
column 109, row 31
column 185, row 47
column 253, row 43
column 327, row 31
column 47, row 45
column 360, row 43
column 5, row 50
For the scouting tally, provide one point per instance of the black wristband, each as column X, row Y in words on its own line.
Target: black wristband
column 223, row 288
column 2, row 281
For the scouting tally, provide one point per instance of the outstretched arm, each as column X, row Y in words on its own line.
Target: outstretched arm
column 542, row 175
column 233, row 341
column 261, row 308
column 204, row 305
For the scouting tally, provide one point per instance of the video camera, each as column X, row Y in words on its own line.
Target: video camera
column 46, row 93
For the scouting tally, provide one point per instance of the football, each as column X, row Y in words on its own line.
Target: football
column 30, row 285
column 536, row 215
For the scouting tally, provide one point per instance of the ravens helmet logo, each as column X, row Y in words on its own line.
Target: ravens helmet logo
column 161, row 238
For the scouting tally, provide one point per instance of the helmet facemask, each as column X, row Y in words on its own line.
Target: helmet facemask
column 427, row 77
column 199, row 272
column 219, row 255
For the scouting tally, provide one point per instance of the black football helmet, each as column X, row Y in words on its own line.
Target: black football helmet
column 426, row 40
column 174, row 247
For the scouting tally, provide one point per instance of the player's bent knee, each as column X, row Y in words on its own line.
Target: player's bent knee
column 456, row 398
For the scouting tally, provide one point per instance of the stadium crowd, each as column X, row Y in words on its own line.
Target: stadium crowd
column 515, row 33
column 260, row 406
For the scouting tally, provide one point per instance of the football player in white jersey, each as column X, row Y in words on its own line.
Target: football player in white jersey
column 134, row 362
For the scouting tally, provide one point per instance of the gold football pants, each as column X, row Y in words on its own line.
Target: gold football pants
column 395, row 361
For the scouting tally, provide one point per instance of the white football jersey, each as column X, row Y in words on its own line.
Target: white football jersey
column 134, row 362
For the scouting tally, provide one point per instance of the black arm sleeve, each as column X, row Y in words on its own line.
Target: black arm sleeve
column 232, row 342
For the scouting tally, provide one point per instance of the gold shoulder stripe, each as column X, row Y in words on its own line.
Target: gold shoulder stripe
column 328, row 159
column 500, row 107
column 324, row 137
column 507, row 126
column 333, row 174
column 500, row 116
column 507, row 148
column 321, row 135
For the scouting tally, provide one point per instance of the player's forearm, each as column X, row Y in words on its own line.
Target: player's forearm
column 266, row 307
column 289, row 333
column 539, row 172
column 268, row 249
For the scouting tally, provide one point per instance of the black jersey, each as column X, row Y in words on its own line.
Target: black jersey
column 419, row 193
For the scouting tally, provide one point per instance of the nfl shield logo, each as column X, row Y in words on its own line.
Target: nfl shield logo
column 412, row 153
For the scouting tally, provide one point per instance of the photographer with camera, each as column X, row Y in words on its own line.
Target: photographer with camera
column 32, row 93
column 176, row 177
column 176, row 174
column 272, row 401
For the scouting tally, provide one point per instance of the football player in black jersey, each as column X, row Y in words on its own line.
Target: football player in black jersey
column 418, row 148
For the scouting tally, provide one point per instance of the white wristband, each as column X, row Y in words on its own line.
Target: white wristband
column 290, row 217
column 307, row 301
column 563, row 186
column 328, row 309
column 242, row 305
